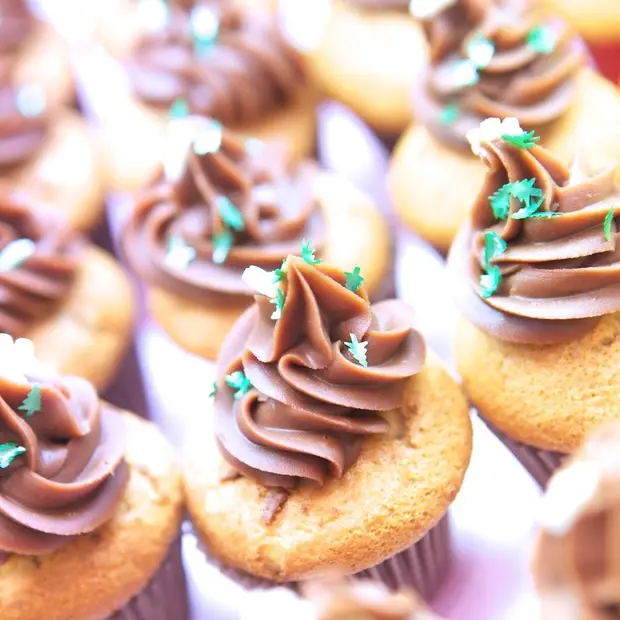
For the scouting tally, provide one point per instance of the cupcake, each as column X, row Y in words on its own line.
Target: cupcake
column 332, row 443
column 32, row 52
column 366, row 56
column 47, row 151
column 224, row 203
column 334, row 598
column 91, row 502
column 221, row 59
column 488, row 60
column 598, row 21
column 69, row 297
column 576, row 559
column 536, row 274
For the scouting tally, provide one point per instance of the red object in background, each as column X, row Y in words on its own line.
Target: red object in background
column 607, row 58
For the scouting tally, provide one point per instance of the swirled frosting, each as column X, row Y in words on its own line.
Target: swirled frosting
column 576, row 564
column 23, row 127
column 16, row 25
column 38, row 262
column 560, row 270
column 239, row 72
column 311, row 403
column 274, row 200
column 69, row 473
column 495, row 59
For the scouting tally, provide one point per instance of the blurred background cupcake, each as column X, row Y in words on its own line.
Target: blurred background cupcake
column 576, row 561
column 495, row 60
column 224, row 60
column 92, row 502
column 71, row 298
column 365, row 55
column 332, row 441
column 225, row 203
column 536, row 276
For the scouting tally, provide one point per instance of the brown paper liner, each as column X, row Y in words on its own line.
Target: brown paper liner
column 422, row 566
column 165, row 595
column 540, row 464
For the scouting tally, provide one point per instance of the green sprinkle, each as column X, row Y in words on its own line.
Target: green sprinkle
column 500, row 202
column 8, row 453
column 205, row 26
column 15, row 254
column 353, row 279
column 357, row 350
column 239, row 382
column 609, row 218
column 279, row 274
column 222, row 242
column 213, row 390
column 522, row 141
column 307, row 253
column 278, row 300
column 543, row 215
column 480, row 52
column 179, row 109
column 530, row 196
column 449, row 114
column 490, row 281
column 462, row 74
column 229, row 213
column 542, row 39
column 494, row 246
column 32, row 403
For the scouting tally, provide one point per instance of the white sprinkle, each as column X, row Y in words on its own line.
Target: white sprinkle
column 568, row 494
column 205, row 23
column 480, row 52
column 179, row 254
column 18, row 359
column 152, row 15
column 304, row 23
column 15, row 253
column 458, row 75
column 31, row 100
column 265, row 194
column 426, row 9
column 262, row 281
column 209, row 138
column 492, row 129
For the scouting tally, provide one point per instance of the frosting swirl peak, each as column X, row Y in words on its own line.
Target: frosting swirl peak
column 234, row 203
column 226, row 61
column 540, row 259
column 311, row 384
column 62, row 471
column 495, row 59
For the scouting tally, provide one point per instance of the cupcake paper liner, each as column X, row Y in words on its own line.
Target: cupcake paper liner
column 540, row 464
column 165, row 595
column 422, row 566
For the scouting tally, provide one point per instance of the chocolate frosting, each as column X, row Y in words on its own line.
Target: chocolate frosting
column 577, row 560
column 71, row 476
column 16, row 25
column 21, row 135
column 535, row 87
column 381, row 5
column 275, row 199
column 341, row 599
column 311, row 404
column 248, row 71
column 31, row 290
column 560, row 273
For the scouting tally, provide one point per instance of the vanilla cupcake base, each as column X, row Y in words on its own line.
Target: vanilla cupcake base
column 134, row 137
column 368, row 61
column 66, row 173
column 433, row 186
column 355, row 235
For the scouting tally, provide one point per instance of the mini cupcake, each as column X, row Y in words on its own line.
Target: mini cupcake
column 49, row 152
column 336, row 445
column 335, row 599
column 70, row 298
column 576, row 561
column 366, row 57
column 536, row 273
column 91, row 502
column 33, row 52
column 225, row 203
column 217, row 59
column 489, row 60
column 598, row 21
